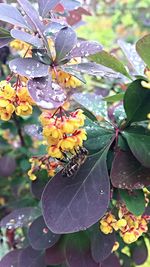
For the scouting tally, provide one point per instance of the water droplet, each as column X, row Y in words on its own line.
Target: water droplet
column 45, row 231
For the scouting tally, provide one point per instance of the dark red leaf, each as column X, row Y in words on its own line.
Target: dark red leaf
column 46, row 94
column 40, row 237
column 65, row 41
column 31, row 258
column 28, row 67
column 72, row 205
column 112, row 260
column 11, row 259
column 128, row 173
column 56, row 254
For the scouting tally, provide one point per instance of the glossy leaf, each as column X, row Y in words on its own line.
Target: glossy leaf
column 64, row 42
column 32, row 14
column 31, row 258
column 136, row 102
column 46, row 5
column 46, row 94
column 101, row 245
column 28, row 67
column 40, row 237
column 41, row 56
column 56, row 254
column 80, row 200
column 85, row 48
column 128, row 173
column 11, row 14
column 142, row 47
column 138, row 139
column 92, row 68
column 132, row 56
column 11, row 259
column 109, row 61
column 26, row 37
column 78, row 251
column 19, row 218
column 134, row 200
column 7, row 165
column 140, row 253
column 112, row 260
column 92, row 102
column 97, row 137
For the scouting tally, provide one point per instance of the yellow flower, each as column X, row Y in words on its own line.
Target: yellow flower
column 6, row 91
column 24, row 109
column 66, row 79
column 31, row 175
column 55, row 152
column 24, row 96
column 129, row 237
column 146, row 84
column 115, row 247
column 21, row 47
column 67, row 143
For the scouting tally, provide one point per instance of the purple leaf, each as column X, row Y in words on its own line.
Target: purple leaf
column 112, row 260
column 46, row 5
column 7, row 166
column 85, row 48
column 26, row 37
column 32, row 14
column 128, row 173
column 78, row 251
column 37, row 186
column 11, row 259
column 28, row 67
column 74, row 204
column 101, row 245
column 10, row 14
column 65, row 41
column 31, row 258
column 140, row 253
column 5, row 41
column 40, row 237
column 95, row 69
column 54, row 26
column 46, row 94
column 56, row 254
column 19, row 218
column 70, row 4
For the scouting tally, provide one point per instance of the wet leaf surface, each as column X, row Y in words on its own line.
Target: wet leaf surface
column 128, row 173
column 46, row 94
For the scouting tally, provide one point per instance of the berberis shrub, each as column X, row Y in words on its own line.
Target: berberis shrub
column 74, row 166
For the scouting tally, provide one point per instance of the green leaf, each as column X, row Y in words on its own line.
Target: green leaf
column 134, row 200
column 4, row 33
column 138, row 139
column 111, row 62
column 97, row 136
column 114, row 98
column 143, row 48
column 136, row 102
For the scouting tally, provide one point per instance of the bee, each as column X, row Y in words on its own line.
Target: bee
column 75, row 162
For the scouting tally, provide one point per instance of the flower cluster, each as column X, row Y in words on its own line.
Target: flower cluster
column 130, row 227
column 11, row 100
column 63, row 133
column 42, row 163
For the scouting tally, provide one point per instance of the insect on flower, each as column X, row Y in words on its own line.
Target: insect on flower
column 75, row 162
